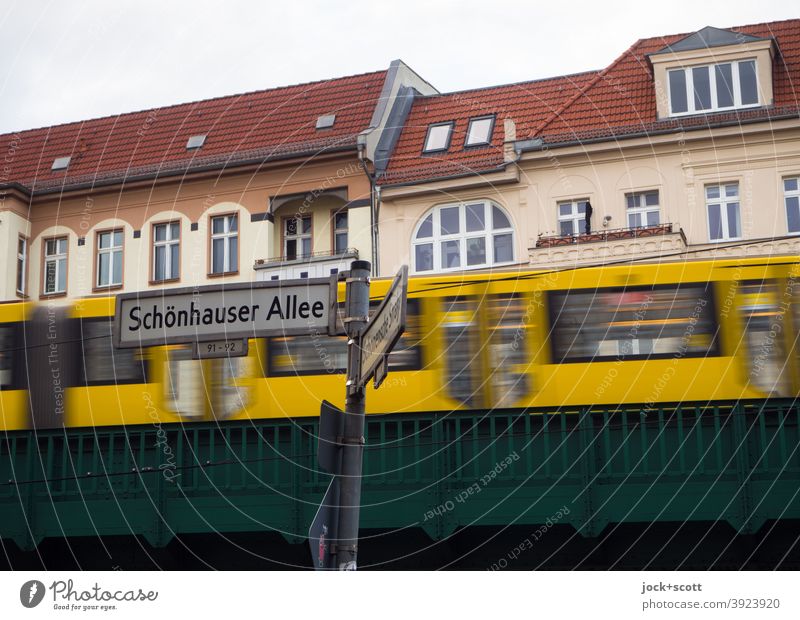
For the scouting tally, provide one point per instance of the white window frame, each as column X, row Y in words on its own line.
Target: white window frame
column 431, row 128
column 642, row 209
column 167, row 244
column 437, row 239
column 790, row 194
column 578, row 219
column 340, row 231
column 299, row 236
column 113, row 251
column 723, row 201
column 226, row 235
column 22, row 265
column 60, row 260
column 736, row 85
column 470, row 141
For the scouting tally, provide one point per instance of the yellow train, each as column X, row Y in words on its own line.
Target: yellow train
column 636, row 333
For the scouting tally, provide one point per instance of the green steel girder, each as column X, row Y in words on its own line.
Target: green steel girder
column 734, row 462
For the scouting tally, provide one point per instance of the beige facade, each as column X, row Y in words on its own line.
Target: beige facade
column 679, row 166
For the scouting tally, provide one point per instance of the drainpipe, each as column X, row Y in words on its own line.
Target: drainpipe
column 374, row 205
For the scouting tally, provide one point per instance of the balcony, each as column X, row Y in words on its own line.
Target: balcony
column 314, row 265
column 607, row 245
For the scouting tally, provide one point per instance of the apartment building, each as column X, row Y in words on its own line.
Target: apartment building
column 686, row 146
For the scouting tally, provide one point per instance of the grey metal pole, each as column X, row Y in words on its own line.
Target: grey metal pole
column 357, row 315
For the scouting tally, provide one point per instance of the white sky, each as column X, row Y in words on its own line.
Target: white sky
column 64, row 61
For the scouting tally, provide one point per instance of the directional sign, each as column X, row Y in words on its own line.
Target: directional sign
column 384, row 329
column 223, row 313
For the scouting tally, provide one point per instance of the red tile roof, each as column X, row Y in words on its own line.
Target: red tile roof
column 254, row 126
column 527, row 103
column 617, row 101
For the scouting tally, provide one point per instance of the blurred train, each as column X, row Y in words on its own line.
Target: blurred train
column 636, row 333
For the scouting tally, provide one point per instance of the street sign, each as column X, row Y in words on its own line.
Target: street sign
column 324, row 528
column 224, row 313
column 384, row 329
column 219, row 348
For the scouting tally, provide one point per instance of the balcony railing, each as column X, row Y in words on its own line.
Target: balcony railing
column 597, row 236
column 308, row 258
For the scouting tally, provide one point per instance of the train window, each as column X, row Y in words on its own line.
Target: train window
column 230, row 388
column 762, row 319
column 633, row 323
column 508, row 356
column 7, row 345
column 306, row 355
column 184, row 391
column 103, row 363
column 461, row 334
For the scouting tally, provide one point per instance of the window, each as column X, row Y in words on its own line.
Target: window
column 109, row 258
column 224, row 244
column 297, row 237
column 791, row 196
column 55, row 266
column 438, row 138
column 463, row 236
column 166, row 251
column 479, row 131
column 642, row 209
column 709, row 88
column 633, row 323
column 723, row 212
column 22, row 264
column 572, row 217
column 340, row 232
column 103, row 363
column 195, row 142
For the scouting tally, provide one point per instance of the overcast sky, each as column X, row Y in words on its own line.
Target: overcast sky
column 64, row 61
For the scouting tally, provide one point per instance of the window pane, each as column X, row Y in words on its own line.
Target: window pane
column 499, row 219
column 651, row 199
column 790, row 185
column 233, row 248
column 50, row 247
column 793, row 213
column 61, row 244
column 677, row 91
column 630, row 200
column 732, row 190
column 218, row 255
column 21, row 246
column 565, row 209
column 652, row 218
column 712, row 191
column 476, row 251
column 341, row 243
column 176, row 261
column 438, row 137
column 291, row 226
column 702, row 88
column 582, row 208
column 117, row 238
column 478, row 131
column 62, row 275
column 103, row 268
column 175, row 230
column 104, row 240
column 748, row 83
column 733, row 220
column 714, row 222
column 159, row 263
column 340, row 219
column 423, row 257
column 20, row 275
column 503, row 250
column 449, row 220
column 291, row 249
column 451, row 254
column 724, row 85
column 426, row 228
column 633, row 220
column 566, row 229
column 50, row 277
column 306, row 225
column 233, row 223
column 475, row 217
column 161, row 232
column 117, row 274
column 218, row 225
column 306, row 247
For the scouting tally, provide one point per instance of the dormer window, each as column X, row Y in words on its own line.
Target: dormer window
column 479, row 131
column 711, row 88
column 438, row 138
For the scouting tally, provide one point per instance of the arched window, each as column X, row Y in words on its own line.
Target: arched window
column 469, row 235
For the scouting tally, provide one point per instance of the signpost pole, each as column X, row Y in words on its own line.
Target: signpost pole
column 357, row 315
